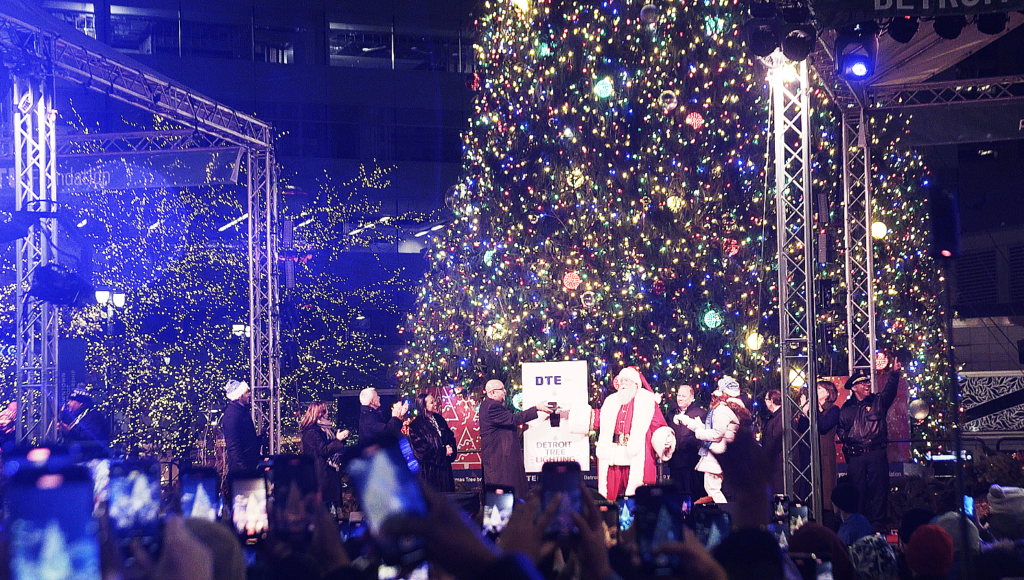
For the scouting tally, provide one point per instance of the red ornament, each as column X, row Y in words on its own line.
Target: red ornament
column 730, row 246
column 571, row 280
column 659, row 287
column 881, row 361
column 695, row 120
column 473, row 81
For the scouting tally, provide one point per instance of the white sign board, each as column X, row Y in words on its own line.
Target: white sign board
column 564, row 383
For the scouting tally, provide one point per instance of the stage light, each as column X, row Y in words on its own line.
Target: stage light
column 855, row 51
column 233, row 222
column 57, row 284
column 798, row 42
column 903, row 28
column 119, row 299
column 763, row 29
column 992, row 23
column 102, row 296
column 950, row 27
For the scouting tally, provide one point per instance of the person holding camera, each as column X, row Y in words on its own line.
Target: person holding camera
column 865, row 435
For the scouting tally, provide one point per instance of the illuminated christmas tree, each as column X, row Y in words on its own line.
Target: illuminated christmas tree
column 612, row 201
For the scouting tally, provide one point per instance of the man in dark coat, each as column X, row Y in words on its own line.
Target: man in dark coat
column 84, row 425
column 864, row 433
column 242, row 445
column 682, row 466
column 500, row 452
column 772, row 442
column 371, row 420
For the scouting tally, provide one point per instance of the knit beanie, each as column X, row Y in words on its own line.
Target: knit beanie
column 873, row 558
column 729, row 386
column 930, row 551
column 846, row 497
column 1006, row 500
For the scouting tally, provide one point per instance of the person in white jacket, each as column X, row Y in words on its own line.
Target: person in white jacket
column 717, row 431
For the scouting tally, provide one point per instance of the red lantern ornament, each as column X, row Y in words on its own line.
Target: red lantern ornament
column 881, row 361
column 695, row 120
column 571, row 280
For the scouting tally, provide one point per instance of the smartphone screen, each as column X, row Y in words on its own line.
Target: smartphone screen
column 780, row 508
column 659, row 520
column 798, row 516
column 53, row 532
column 100, row 470
column 498, row 504
column 711, row 525
column 388, row 489
column 199, row 494
column 562, row 477
column 134, row 507
column 292, row 487
column 627, row 506
column 249, row 506
column 969, row 506
column 812, row 566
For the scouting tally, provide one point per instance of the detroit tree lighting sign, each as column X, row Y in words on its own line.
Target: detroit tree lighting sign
column 565, row 437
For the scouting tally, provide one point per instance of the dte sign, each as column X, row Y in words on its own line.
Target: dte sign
column 553, row 380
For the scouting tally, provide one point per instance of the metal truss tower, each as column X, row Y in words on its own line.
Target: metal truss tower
column 36, row 321
column 80, row 60
column 793, row 195
column 858, row 245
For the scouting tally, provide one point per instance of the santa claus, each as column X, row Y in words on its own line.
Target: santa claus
column 633, row 432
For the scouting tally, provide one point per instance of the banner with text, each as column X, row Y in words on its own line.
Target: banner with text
column 565, row 437
column 834, row 14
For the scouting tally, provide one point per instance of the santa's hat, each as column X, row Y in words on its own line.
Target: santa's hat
column 729, row 386
column 630, row 374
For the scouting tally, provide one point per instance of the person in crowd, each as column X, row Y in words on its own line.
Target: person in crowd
column 772, row 441
column 828, row 421
column 911, row 520
column 855, row 526
column 949, row 505
column 84, row 425
column 717, row 431
column 241, row 443
column 865, row 435
column 814, row 538
column 322, row 440
column 434, row 444
column 500, row 451
column 1006, row 512
column 633, row 435
column 751, row 553
column 8, row 424
column 930, row 553
column 873, row 559
column 683, row 464
column 371, row 420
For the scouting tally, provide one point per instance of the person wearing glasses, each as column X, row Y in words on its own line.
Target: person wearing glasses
column 500, row 450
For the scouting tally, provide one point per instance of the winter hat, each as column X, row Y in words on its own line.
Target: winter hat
column 1006, row 500
column 846, row 497
column 81, row 395
column 235, row 389
column 729, row 386
column 873, row 558
column 930, row 551
column 630, row 374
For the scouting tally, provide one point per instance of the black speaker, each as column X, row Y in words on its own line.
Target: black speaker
column 1020, row 351
column 944, row 214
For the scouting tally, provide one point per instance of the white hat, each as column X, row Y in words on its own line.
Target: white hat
column 630, row 374
column 729, row 386
column 1006, row 499
column 235, row 389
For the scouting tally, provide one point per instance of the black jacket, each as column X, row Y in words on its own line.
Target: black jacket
column 372, row 424
column 429, row 444
column 89, row 429
column 315, row 442
column 242, row 445
column 687, row 444
column 862, row 424
column 500, row 452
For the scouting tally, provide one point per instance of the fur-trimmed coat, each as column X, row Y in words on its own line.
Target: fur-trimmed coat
column 725, row 422
column 640, row 451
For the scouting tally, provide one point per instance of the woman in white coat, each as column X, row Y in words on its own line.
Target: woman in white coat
column 717, row 431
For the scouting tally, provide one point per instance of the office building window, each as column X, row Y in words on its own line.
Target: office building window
column 378, row 47
column 275, row 45
column 143, row 31
column 80, row 15
column 213, row 39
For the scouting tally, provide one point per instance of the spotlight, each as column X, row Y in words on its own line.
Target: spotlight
column 798, row 43
column 950, row 27
column 855, row 51
column 57, row 284
column 763, row 10
column 762, row 37
column 992, row 23
column 903, row 28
